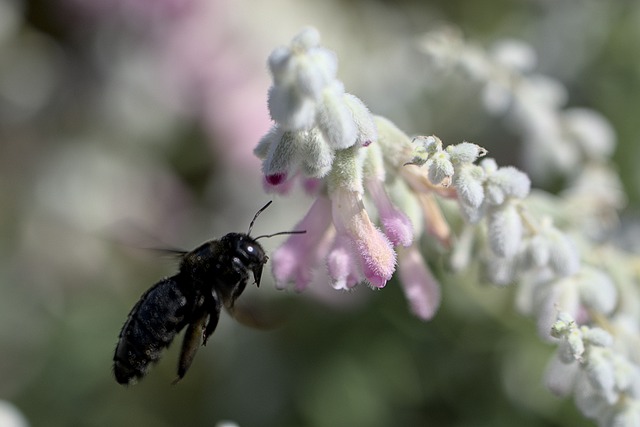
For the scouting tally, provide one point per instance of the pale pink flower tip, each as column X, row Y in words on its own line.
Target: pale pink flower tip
column 397, row 226
column 421, row 289
column 398, row 229
column 311, row 186
column 294, row 261
column 375, row 250
column 288, row 266
column 341, row 265
column 379, row 259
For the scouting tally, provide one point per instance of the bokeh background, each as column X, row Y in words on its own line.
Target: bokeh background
column 127, row 124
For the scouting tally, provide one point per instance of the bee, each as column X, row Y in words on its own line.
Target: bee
column 211, row 276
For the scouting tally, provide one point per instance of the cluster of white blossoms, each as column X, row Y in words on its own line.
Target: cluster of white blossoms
column 314, row 115
column 557, row 139
column 319, row 135
column 606, row 385
column 559, row 262
column 378, row 192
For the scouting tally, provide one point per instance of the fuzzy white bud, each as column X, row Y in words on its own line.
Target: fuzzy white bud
column 597, row 336
column 283, row 155
column 507, row 182
column 465, row 152
column 564, row 259
column 289, row 109
column 440, row 168
column 306, row 39
column 468, row 181
column 366, row 128
column 425, row 147
column 597, row 290
column 318, row 156
column 504, row 231
column 334, row 119
column 600, row 372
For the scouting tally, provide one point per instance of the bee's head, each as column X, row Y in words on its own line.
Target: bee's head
column 249, row 252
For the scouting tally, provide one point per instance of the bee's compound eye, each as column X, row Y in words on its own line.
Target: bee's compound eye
column 250, row 249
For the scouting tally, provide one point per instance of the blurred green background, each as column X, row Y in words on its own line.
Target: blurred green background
column 127, row 124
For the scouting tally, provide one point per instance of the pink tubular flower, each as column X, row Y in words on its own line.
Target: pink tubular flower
column 420, row 287
column 342, row 266
column 397, row 225
column 373, row 248
column 295, row 260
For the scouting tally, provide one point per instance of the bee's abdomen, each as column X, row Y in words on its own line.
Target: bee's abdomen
column 151, row 326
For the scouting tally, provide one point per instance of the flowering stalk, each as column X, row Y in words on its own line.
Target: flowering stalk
column 350, row 160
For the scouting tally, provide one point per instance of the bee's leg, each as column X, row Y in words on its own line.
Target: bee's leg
column 191, row 342
column 212, row 306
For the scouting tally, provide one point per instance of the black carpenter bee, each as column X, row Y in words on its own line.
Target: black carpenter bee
column 211, row 276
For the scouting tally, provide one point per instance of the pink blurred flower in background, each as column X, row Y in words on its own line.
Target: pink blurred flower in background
column 209, row 66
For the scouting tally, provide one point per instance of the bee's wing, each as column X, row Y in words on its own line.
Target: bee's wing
column 255, row 315
column 127, row 234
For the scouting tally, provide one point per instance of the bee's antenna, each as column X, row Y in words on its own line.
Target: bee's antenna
column 279, row 233
column 262, row 209
column 266, row 236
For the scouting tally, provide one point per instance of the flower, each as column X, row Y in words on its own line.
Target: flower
column 605, row 382
column 295, row 260
column 348, row 159
column 371, row 246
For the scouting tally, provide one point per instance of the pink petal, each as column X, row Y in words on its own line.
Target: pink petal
column 397, row 225
column 421, row 289
column 342, row 265
column 295, row 260
column 375, row 250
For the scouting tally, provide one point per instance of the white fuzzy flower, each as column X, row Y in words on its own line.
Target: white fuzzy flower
column 335, row 120
column 283, row 154
column 551, row 296
column 306, row 39
column 576, row 343
column 507, row 182
column 441, row 168
column 318, row 156
column 514, row 54
column 289, row 109
column 597, row 336
column 597, row 291
column 465, row 152
column 588, row 400
column 564, row 258
column 363, row 120
column 536, row 252
column 592, row 132
column 563, row 325
column 425, row 147
column 627, row 414
column 600, row 371
column 504, row 231
column 500, row 271
column 560, row 374
column 311, row 77
column 468, row 181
